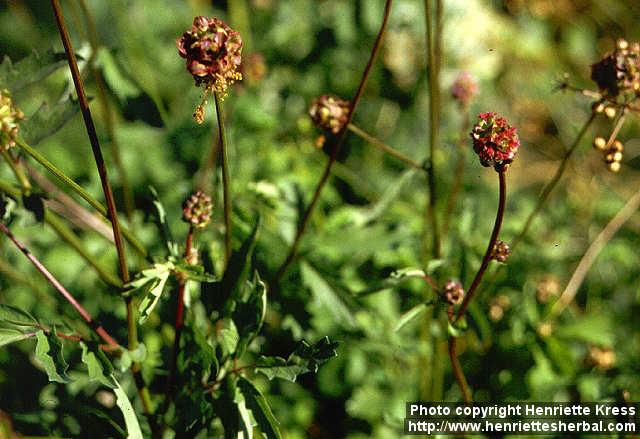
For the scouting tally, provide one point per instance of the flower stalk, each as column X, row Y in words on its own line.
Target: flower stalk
column 226, row 183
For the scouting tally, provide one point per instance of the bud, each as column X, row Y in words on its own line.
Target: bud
column 9, row 118
column 610, row 112
column 495, row 141
column 597, row 107
column 213, row 52
column 501, row 251
column 329, row 113
column 619, row 72
column 197, row 209
column 599, row 143
column 453, row 292
column 464, row 89
column 614, row 166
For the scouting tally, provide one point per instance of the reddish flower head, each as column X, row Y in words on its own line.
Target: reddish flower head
column 213, row 52
column 197, row 209
column 619, row 72
column 329, row 113
column 453, row 292
column 494, row 140
column 464, row 89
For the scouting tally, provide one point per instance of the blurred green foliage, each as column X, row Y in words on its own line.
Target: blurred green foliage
column 370, row 219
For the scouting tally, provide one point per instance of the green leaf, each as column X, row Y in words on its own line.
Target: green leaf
column 117, row 80
column 194, row 272
column 130, row 419
column 8, row 336
column 98, row 365
column 48, row 120
column 30, row 69
column 457, row 328
column 411, row 314
column 327, row 296
column 591, row 328
column 129, row 357
column 260, row 409
column 397, row 278
column 49, row 354
column 375, row 210
column 152, row 281
column 248, row 314
column 161, row 221
column 16, row 316
column 228, row 337
column 304, row 359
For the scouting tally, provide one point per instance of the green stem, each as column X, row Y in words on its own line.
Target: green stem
column 335, row 149
column 550, row 186
column 384, row 147
column 458, row 178
column 226, row 184
column 17, row 171
column 80, row 191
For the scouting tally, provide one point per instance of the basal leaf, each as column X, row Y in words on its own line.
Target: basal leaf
column 327, row 296
column 49, row 354
column 98, row 365
column 48, row 120
column 29, row 70
column 8, row 336
column 15, row 316
column 130, row 418
column 260, row 409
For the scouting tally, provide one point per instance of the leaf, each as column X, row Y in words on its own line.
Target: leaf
column 48, row 120
column 375, row 210
column 49, row 354
column 194, row 272
column 130, row 419
column 411, row 314
column 260, row 409
column 326, row 296
column 30, row 69
column 98, row 365
column 399, row 276
column 248, row 315
column 227, row 336
column 152, row 281
column 161, row 221
column 138, row 355
column 458, row 327
column 15, row 316
column 304, row 359
column 593, row 328
column 8, row 336
column 117, row 80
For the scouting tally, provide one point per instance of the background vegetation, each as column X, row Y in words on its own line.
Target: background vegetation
column 369, row 222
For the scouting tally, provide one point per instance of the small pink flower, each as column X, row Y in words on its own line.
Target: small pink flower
column 213, row 52
column 453, row 292
column 464, row 89
column 494, row 140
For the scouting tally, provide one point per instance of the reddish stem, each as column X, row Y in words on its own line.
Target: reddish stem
column 61, row 289
column 457, row 371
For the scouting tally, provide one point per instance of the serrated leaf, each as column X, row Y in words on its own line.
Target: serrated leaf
column 260, row 409
column 29, row 70
column 48, row 120
column 15, row 316
column 8, row 336
column 249, row 314
column 160, row 218
column 98, row 365
column 327, row 296
column 152, row 282
column 227, row 336
column 130, row 418
column 49, row 355
column 194, row 272
column 410, row 315
column 304, row 359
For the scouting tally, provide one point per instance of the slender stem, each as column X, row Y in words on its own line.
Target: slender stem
column 458, row 178
column 17, row 170
column 61, row 289
column 335, row 149
column 492, row 242
column 553, row 182
column 226, row 185
column 457, row 371
column 108, row 193
column 80, row 191
column 592, row 252
column 384, row 147
column 109, row 121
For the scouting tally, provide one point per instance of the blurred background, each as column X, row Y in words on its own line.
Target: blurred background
column 369, row 222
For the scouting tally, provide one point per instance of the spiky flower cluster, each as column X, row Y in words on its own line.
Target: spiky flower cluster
column 197, row 209
column 495, row 141
column 9, row 118
column 618, row 73
column 464, row 89
column 453, row 292
column 330, row 113
column 213, row 52
column 501, row 251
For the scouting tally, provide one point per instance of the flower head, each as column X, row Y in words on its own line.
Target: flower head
column 213, row 52
column 501, row 251
column 197, row 209
column 9, row 118
column 494, row 140
column 453, row 292
column 619, row 72
column 329, row 113
column 464, row 89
